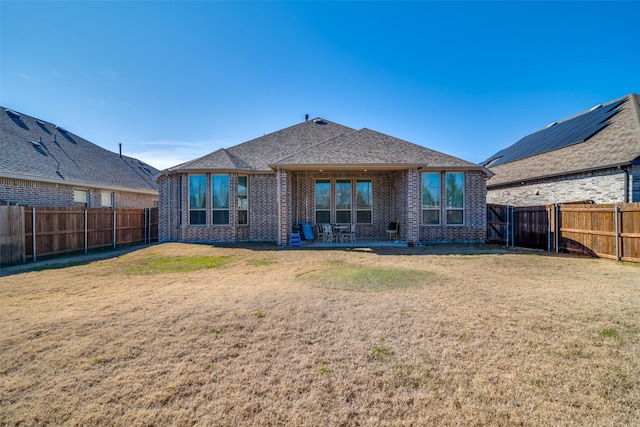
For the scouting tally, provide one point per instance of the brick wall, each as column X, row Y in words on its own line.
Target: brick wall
column 396, row 196
column 263, row 216
column 35, row 193
column 475, row 214
column 606, row 186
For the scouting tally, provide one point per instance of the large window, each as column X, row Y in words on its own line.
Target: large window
column 220, row 198
column 455, row 198
column 243, row 199
column 431, row 198
column 364, row 201
column 197, row 200
column 343, row 201
column 323, row 201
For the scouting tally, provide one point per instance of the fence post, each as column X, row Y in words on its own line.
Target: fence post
column 616, row 224
column 548, row 229
column 114, row 228
column 33, row 231
column 86, row 242
column 557, row 221
column 145, row 226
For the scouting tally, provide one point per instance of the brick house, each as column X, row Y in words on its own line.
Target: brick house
column 320, row 172
column 42, row 164
column 593, row 156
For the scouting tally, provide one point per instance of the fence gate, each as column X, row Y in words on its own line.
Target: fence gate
column 500, row 224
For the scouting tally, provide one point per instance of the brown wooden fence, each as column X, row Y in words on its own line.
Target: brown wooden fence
column 604, row 230
column 12, row 249
column 50, row 231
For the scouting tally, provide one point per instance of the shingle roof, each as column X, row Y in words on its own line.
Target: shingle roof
column 617, row 143
column 41, row 151
column 370, row 148
column 319, row 142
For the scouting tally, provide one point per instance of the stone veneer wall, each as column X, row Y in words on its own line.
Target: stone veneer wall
column 36, row 193
column 606, row 186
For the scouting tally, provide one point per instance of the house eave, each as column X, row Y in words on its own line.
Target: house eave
column 73, row 183
column 557, row 175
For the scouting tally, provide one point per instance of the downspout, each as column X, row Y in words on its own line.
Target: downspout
column 626, row 183
column 168, row 198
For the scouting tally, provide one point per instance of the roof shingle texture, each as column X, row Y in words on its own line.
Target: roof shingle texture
column 616, row 144
column 38, row 149
column 323, row 143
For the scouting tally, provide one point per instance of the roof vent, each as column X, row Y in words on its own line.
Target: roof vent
column 319, row 122
column 36, row 143
column 12, row 113
column 595, row 107
column 61, row 129
column 551, row 124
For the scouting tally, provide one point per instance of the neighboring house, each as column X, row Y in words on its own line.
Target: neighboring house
column 594, row 156
column 322, row 172
column 42, row 164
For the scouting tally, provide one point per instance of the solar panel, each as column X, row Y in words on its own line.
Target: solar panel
column 553, row 137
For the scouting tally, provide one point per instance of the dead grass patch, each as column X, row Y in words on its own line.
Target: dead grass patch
column 454, row 335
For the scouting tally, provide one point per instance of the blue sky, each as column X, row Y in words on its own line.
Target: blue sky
column 172, row 81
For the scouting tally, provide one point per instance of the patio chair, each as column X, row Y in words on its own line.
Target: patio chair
column 327, row 233
column 350, row 234
column 319, row 232
column 393, row 230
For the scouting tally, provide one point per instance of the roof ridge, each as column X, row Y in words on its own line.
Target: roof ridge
column 324, row 141
column 236, row 161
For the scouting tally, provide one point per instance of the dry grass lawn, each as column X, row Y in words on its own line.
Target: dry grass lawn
column 179, row 334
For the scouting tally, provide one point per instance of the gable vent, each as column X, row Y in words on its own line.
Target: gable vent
column 12, row 113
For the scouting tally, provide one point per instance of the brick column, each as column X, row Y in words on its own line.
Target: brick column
column 284, row 208
column 412, row 204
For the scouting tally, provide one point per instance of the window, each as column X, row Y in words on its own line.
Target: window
column 243, row 200
column 455, row 198
column 364, row 198
column 106, row 199
column 431, row 198
column 343, row 201
column 197, row 200
column 323, row 201
column 220, row 198
column 81, row 198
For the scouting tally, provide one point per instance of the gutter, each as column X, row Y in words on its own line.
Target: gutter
column 556, row 175
column 36, row 178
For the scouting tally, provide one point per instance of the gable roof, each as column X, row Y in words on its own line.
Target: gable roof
column 255, row 155
column 319, row 143
column 369, row 149
column 603, row 137
column 36, row 150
